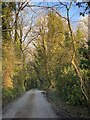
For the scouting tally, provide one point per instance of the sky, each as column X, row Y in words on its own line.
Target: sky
column 43, row 0
column 60, row 0
column 74, row 11
column 74, row 14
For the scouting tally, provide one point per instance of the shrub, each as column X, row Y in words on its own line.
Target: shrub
column 9, row 94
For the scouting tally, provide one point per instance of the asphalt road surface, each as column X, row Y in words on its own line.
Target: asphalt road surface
column 32, row 104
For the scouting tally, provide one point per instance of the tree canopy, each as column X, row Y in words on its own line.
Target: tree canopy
column 41, row 49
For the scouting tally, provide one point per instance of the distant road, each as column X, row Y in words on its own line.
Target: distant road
column 31, row 105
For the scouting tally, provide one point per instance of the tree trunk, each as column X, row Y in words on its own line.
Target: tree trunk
column 74, row 61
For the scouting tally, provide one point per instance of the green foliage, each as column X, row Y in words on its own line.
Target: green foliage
column 50, row 66
column 69, row 86
column 7, row 20
column 9, row 94
column 20, row 76
column 75, row 97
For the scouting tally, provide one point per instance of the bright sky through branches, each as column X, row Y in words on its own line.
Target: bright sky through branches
column 74, row 10
column 59, row 0
column 45, row 0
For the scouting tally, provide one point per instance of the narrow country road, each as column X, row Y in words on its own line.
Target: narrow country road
column 31, row 105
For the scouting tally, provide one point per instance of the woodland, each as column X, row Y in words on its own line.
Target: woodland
column 43, row 48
